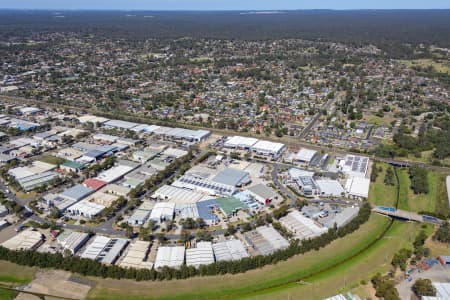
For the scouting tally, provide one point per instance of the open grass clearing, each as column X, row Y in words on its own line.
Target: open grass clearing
column 438, row 65
column 7, row 294
column 234, row 286
column 348, row 275
column 53, row 160
column 381, row 194
column 13, row 274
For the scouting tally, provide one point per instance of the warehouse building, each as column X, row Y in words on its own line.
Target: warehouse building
column 104, row 249
column 25, row 240
column 92, row 119
column 76, row 193
column 188, row 210
column 204, row 185
column 72, row 166
column 206, row 211
column 172, row 257
column 329, row 188
column 302, row 227
column 343, row 218
column 357, row 187
column 141, row 215
column 263, row 194
column 354, row 165
column 240, row 142
column 136, row 256
column 185, row 134
column 232, row 177
column 162, row 211
column 175, row 194
column 201, row 255
column 305, row 155
column 143, row 155
column 230, row 205
column 266, row 240
column 267, row 148
column 230, row 250
column 116, row 172
column 72, row 241
column 120, row 124
column 94, row 184
column 34, row 181
column 86, row 209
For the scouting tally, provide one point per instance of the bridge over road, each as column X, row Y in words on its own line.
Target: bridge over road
column 406, row 215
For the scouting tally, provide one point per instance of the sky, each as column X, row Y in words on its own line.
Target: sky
column 224, row 4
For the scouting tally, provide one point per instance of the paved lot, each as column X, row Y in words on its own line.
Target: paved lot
column 437, row 273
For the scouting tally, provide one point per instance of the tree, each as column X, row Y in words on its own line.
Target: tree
column 423, row 287
column 389, row 178
column 443, row 233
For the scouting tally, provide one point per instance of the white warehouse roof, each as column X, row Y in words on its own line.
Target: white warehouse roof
column 178, row 195
column 240, row 142
column 172, row 257
column 230, row 250
column 305, row 155
column 358, row 187
column 201, row 255
column 301, row 226
column 25, row 240
column 329, row 187
column 136, row 256
column 162, row 210
column 268, row 147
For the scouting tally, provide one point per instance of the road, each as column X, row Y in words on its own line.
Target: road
column 316, row 118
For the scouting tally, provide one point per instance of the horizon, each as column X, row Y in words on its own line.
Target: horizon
column 223, row 5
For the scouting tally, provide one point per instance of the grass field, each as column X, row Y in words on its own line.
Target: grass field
column 348, row 275
column 438, row 66
column 381, row 194
column 372, row 119
column 53, row 160
column 435, row 201
column 13, row 274
column 234, row 286
column 7, row 294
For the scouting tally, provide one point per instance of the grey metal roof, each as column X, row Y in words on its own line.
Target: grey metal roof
column 232, row 177
column 262, row 191
column 77, row 192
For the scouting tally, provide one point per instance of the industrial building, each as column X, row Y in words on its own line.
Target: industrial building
column 184, row 134
column 34, row 181
column 136, row 256
column 104, row 249
column 86, row 209
column 230, row 205
column 162, row 211
column 229, row 250
column 240, row 142
column 262, row 193
column 343, row 218
column 202, row 254
column 141, row 215
column 305, row 155
column 329, row 188
column 72, row 241
column 268, row 148
column 302, row 227
column 203, row 185
column 172, row 257
column 354, row 166
column 266, row 240
column 188, row 210
column 357, row 187
column 178, row 195
column 76, row 193
column 117, row 172
column 25, row 240
column 206, row 210
column 232, row 177
column 119, row 124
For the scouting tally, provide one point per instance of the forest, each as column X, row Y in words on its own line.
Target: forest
column 391, row 30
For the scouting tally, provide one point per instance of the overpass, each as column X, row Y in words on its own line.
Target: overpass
column 406, row 215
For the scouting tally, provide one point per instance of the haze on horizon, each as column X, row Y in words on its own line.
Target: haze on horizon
column 222, row 4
